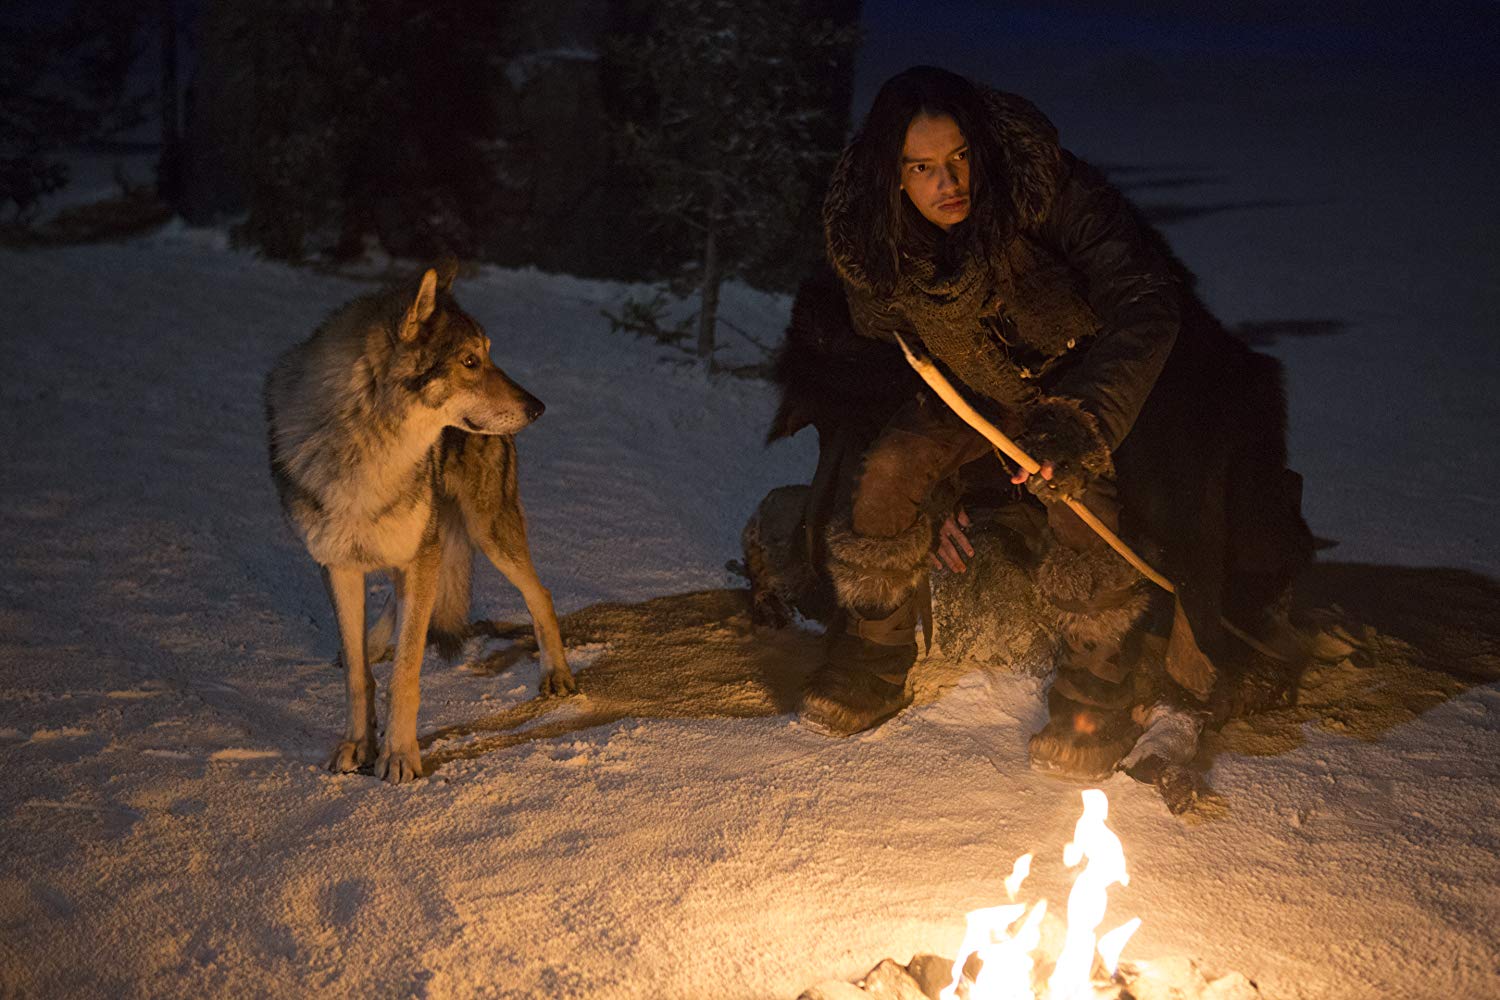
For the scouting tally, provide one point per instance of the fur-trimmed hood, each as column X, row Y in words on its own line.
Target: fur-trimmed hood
column 1032, row 167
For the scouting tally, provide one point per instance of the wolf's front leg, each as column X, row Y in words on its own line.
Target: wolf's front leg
column 346, row 589
column 400, row 758
column 516, row 567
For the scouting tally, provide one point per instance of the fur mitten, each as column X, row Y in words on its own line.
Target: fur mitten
column 1059, row 430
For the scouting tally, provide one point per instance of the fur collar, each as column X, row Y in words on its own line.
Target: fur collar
column 1033, row 170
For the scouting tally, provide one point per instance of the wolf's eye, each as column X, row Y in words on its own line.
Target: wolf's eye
column 470, row 361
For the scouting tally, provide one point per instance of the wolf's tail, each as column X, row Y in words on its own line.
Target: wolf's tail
column 378, row 639
column 450, row 615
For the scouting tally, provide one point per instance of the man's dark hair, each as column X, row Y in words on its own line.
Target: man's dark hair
column 887, row 223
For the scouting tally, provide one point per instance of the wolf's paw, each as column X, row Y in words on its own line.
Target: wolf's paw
column 352, row 755
column 399, row 766
column 559, row 681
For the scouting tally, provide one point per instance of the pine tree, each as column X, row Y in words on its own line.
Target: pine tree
column 62, row 80
column 730, row 127
column 169, row 164
column 366, row 117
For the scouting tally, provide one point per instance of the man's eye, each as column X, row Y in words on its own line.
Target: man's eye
column 470, row 361
column 918, row 168
column 962, row 154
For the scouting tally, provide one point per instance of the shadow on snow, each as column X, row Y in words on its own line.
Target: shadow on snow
column 1420, row 637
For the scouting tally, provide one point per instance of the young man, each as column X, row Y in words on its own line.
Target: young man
column 955, row 219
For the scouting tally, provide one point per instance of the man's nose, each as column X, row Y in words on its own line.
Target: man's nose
column 949, row 177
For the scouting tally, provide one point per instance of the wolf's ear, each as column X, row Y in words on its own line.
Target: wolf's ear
column 422, row 308
column 447, row 270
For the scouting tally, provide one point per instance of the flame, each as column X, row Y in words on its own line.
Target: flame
column 1009, row 963
column 1018, row 873
column 1111, row 944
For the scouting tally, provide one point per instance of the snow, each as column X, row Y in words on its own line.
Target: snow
column 168, row 693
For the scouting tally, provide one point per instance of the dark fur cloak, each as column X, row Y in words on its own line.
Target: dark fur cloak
column 1201, row 472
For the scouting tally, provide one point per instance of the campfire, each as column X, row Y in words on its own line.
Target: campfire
column 1014, row 952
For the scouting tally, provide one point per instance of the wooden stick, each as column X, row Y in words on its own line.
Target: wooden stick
column 940, row 385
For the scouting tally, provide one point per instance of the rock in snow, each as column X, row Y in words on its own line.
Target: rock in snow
column 926, row 976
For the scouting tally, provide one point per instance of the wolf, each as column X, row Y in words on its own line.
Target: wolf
column 391, row 447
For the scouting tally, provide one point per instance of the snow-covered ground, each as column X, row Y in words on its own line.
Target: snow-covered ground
column 167, row 693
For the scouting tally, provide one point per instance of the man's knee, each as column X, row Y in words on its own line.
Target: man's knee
column 883, row 502
column 898, row 473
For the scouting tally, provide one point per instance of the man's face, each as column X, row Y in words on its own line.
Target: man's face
column 935, row 169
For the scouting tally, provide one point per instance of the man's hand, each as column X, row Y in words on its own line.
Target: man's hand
column 1046, row 472
column 1062, row 431
column 951, row 541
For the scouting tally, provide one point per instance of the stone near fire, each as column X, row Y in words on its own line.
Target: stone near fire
column 890, row 981
column 926, row 976
column 834, row 989
column 1183, row 979
column 933, row 973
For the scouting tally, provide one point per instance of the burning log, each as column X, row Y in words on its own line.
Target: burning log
column 1011, row 952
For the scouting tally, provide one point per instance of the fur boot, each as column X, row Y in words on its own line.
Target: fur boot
column 881, row 585
column 1098, row 599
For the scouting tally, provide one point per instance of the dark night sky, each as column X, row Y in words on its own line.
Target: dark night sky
column 1446, row 42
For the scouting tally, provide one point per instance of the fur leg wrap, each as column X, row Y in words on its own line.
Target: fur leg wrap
column 1098, row 598
column 873, row 575
column 1096, row 594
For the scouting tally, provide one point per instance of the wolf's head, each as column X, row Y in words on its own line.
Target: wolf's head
column 443, row 356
